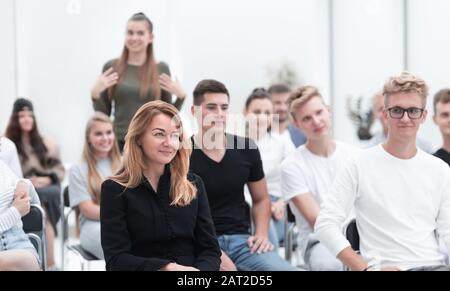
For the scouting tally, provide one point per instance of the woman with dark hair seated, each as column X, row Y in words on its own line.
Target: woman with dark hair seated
column 41, row 164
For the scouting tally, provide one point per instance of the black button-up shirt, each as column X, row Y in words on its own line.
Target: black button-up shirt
column 141, row 231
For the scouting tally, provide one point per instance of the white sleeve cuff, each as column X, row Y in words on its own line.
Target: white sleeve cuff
column 9, row 219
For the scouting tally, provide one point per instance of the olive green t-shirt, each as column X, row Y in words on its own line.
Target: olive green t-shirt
column 126, row 100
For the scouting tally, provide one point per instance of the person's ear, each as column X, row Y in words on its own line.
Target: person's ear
column 296, row 123
column 385, row 114
column 329, row 110
column 151, row 37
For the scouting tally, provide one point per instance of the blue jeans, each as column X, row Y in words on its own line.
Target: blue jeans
column 236, row 247
column 16, row 239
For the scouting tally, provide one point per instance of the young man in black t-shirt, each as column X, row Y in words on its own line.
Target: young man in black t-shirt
column 442, row 119
column 227, row 163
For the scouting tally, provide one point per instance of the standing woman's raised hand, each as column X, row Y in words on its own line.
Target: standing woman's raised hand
column 106, row 80
column 171, row 86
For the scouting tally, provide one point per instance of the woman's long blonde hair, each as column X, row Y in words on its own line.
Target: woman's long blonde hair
column 182, row 191
column 94, row 178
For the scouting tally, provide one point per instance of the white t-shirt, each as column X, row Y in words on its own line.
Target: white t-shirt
column 304, row 172
column 399, row 204
column 274, row 148
column 8, row 154
column 79, row 183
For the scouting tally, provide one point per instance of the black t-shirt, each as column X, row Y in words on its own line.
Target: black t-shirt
column 225, row 181
column 443, row 155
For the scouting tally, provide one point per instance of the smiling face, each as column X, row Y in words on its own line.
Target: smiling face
column 313, row 118
column 138, row 37
column 101, row 138
column 259, row 115
column 212, row 114
column 404, row 128
column 281, row 105
column 161, row 140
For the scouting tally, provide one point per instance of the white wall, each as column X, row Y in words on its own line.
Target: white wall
column 7, row 61
column 237, row 42
column 368, row 47
column 61, row 51
column 429, row 50
column 61, row 48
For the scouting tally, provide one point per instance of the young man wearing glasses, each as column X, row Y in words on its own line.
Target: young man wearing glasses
column 381, row 136
column 400, row 194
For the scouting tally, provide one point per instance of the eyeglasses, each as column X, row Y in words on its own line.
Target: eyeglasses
column 399, row 112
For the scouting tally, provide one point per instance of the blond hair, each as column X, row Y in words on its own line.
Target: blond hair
column 94, row 178
column 182, row 191
column 301, row 96
column 405, row 82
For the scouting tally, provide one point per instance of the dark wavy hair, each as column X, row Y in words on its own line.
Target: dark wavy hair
column 14, row 133
column 257, row 93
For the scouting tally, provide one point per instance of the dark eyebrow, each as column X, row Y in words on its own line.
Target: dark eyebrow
column 160, row 129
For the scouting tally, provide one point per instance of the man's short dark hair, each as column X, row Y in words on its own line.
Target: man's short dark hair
column 443, row 96
column 279, row 89
column 208, row 86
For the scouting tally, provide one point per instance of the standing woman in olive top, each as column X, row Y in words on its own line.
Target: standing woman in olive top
column 101, row 159
column 134, row 79
column 41, row 164
column 154, row 215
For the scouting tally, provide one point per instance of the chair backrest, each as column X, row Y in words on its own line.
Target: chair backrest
column 289, row 227
column 65, row 203
column 34, row 226
column 66, row 198
column 65, row 214
column 352, row 235
column 290, row 217
column 76, row 248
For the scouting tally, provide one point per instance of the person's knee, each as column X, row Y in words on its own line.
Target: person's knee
column 18, row 262
column 2, row 263
column 325, row 264
column 32, row 265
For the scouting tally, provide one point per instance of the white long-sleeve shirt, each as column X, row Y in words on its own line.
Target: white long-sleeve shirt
column 399, row 205
column 9, row 215
column 9, row 155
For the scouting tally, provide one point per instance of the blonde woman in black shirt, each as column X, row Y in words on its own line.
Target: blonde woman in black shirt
column 154, row 215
